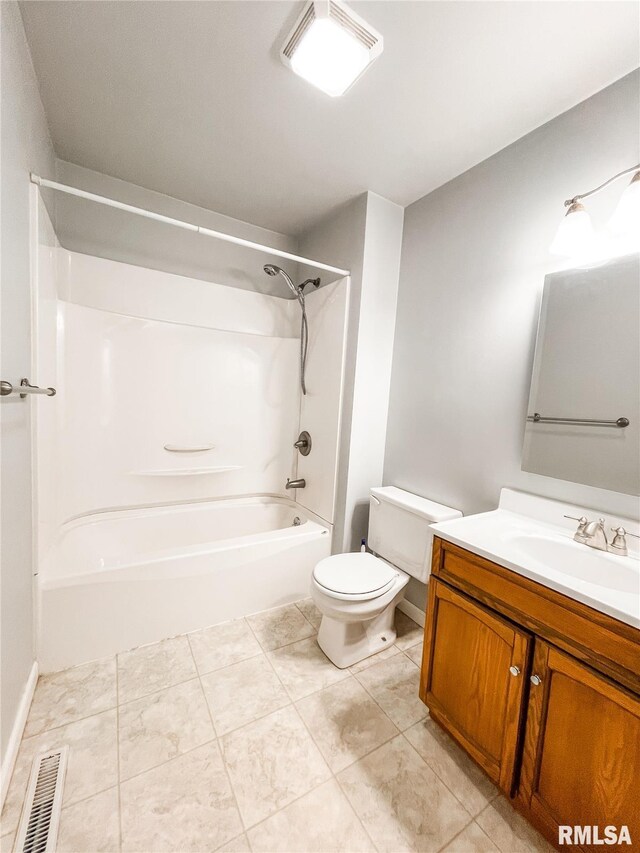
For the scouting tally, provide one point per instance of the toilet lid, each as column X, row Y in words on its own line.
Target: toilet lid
column 354, row 574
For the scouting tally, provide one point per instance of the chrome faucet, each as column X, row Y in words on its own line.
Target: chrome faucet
column 295, row 484
column 593, row 534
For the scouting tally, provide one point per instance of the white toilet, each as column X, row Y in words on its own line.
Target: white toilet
column 357, row 593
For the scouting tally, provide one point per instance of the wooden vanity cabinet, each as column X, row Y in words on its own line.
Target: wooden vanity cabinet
column 474, row 683
column 520, row 677
column 581, row 757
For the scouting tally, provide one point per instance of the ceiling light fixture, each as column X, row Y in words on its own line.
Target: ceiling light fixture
column 330, row 46
column 575, row 233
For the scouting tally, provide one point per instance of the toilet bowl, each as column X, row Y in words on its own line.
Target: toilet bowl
column 357, row 594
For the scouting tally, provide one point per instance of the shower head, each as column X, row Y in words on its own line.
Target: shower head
column 272, row 269
column 298, row 292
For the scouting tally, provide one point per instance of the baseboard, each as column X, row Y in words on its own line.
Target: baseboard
column 412, row 612
column 15, row 738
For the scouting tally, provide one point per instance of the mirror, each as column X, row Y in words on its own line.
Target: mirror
column 587, row 368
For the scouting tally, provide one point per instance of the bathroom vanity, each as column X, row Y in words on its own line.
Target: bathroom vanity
column 541, row 688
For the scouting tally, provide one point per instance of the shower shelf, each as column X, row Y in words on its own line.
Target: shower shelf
column 185, row 472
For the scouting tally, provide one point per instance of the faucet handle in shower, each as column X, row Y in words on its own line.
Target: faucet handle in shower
column 303, row 444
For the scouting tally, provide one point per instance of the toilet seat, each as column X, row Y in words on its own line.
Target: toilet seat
column 354, row 577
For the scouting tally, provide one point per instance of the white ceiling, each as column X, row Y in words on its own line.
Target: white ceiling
column 191, row 99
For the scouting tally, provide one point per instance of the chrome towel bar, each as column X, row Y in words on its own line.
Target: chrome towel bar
column 25, row 387
column 539, row 419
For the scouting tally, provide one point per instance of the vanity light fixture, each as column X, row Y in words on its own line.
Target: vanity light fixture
column 330, row 46
column 626, row 217
column 575, row 231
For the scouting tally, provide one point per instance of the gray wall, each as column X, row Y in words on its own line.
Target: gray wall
column 474, row 257
column 94, row 229
column 25, row 146
column 372, row 379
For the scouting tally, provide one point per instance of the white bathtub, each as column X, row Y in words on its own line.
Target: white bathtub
column 116, row 580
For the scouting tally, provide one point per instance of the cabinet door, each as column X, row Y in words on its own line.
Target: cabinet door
column 581, row 764
column 473, row 678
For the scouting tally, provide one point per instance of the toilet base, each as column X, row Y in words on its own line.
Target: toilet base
column 346, row 643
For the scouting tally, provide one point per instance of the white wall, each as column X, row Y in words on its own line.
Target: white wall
column 140, row 292
column 25, row 146
column 340, row 237
column 474, row 257
column 365, row 237
column 147, row 359
column 45, row 365
column 320, row 408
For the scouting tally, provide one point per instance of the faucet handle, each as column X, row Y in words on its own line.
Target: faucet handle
column 579, row 535
column 619, row 542
column 624, row 532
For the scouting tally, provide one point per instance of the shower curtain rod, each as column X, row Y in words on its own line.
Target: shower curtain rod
column 188, row 226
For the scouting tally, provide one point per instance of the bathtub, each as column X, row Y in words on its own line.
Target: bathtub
column 119, row 579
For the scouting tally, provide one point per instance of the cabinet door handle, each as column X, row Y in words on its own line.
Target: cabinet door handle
column 514, row 670
column 535, row 680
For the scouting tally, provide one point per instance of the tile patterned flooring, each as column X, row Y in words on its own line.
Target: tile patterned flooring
column 244, row 737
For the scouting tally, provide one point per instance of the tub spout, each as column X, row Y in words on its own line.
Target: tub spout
column 295, row 484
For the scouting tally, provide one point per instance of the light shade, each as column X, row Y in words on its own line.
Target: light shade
column 329, row 57
column 575, row 233
column 626, row 217
column 330, row 46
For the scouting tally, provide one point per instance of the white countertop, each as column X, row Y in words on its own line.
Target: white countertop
column 528, row 544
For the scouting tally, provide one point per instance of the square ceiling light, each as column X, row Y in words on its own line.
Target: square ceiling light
column 330, row 46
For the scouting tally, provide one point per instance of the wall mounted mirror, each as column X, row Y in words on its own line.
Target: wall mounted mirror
column 586, row 378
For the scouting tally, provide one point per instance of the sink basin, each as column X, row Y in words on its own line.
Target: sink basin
column 533, row 536
column 578, row 561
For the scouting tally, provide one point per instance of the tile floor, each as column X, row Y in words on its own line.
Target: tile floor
column 244, row 737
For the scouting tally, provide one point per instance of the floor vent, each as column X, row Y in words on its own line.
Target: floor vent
column 38, row 830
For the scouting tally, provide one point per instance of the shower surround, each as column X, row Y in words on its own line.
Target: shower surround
column 161, row 466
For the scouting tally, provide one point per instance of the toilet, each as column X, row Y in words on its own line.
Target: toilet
column 357, row 594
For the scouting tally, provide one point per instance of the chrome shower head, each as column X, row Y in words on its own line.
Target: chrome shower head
column 272, row 269
column 298, row 292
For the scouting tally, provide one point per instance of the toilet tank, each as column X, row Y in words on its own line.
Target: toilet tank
column 399, row 530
